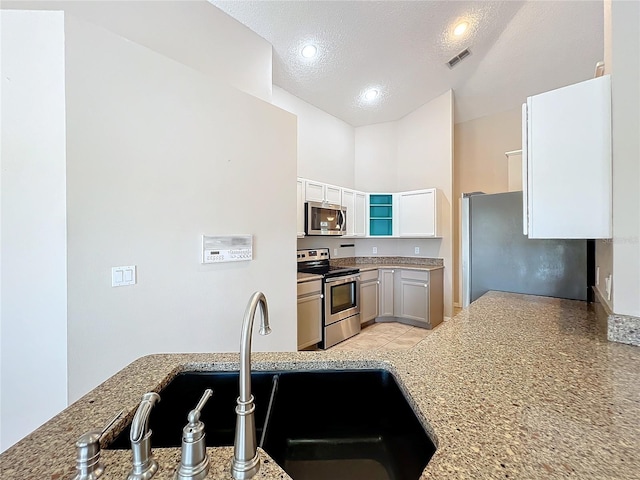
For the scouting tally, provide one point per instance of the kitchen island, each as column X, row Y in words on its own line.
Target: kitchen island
column 514, row 386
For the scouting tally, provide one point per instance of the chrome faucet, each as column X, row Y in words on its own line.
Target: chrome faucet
column 246, row 462
column 144, row 465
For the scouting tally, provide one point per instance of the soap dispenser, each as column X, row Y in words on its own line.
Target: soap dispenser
column 194, row 463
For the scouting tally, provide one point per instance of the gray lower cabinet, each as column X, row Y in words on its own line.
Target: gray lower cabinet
column 368, row 295
column 386, row 277
column 309, row 313
column 412, row 296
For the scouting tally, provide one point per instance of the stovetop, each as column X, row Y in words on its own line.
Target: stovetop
column 316, row 261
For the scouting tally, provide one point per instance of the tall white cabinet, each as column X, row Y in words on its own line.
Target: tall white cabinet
column 566, row 157
column 354, row 202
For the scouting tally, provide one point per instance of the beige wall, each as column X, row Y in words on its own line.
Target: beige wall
column 326, row 144
column 625, row 110
column 480, row 164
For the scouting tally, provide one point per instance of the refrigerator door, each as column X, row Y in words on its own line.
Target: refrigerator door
column 501, row 258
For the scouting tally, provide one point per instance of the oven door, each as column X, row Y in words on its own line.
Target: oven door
column 341, row 298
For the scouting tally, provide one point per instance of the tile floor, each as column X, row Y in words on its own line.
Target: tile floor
column 385, row 336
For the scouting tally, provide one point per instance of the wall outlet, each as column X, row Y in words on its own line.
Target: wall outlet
column 597, row 275
column 375, row 250
column 416, row 250
column 335, row 252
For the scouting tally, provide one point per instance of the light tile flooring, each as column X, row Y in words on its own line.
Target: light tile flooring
column 385, row 336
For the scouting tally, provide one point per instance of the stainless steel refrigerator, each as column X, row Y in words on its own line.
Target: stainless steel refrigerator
column 497, row 256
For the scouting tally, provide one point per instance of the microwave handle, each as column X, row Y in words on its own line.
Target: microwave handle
column 340, row 220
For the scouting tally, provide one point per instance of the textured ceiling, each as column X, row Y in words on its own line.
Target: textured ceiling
column 401, row 48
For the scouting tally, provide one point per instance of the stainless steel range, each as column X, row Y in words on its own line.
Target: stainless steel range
column 341, row 309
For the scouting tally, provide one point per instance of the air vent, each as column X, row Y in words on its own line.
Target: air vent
column 458, row 58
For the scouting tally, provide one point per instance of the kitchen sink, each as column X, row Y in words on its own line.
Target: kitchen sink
column 338, row 424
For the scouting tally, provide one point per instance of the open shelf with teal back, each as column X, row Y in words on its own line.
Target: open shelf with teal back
column 380, row 214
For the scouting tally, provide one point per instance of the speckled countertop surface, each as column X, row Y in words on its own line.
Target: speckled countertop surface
column 515, row 386
column 364, row 267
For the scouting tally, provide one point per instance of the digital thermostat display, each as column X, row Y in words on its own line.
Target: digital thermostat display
column 227, row 248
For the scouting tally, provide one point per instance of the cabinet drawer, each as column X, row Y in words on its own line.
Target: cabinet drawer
column 307, row 288
column 420, row 275
column 368, row 276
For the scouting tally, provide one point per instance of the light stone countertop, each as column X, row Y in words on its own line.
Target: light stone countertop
column 515, row 386
column 308, row 277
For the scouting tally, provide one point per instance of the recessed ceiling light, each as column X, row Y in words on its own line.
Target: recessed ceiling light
column 460, row 28
column 371, row 94
column 309, row 51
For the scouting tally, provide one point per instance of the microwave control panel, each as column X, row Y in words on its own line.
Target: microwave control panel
column 227, row 248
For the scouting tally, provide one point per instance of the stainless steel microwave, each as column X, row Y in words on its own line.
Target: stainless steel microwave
column 324, row 219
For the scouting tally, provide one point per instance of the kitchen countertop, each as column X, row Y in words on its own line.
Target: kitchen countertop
column 514, row 386
column 366, row 267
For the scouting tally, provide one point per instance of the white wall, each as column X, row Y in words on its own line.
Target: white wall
column 412, row 153
column 157, row 155
column 325, row 143
column 192, row 32
column 33, row 309
column 376, row 157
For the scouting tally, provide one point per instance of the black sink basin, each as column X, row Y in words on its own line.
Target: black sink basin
column 338, row 424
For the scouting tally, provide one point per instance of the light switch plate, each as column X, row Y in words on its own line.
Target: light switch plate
column 121, row 276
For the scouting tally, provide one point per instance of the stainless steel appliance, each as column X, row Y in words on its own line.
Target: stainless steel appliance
column 497, row 256
column 325, row 219
column 341, row 289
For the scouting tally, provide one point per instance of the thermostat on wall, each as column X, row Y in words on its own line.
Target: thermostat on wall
column 227, row 248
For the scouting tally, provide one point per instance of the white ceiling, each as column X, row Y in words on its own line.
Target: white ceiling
column 518, row 49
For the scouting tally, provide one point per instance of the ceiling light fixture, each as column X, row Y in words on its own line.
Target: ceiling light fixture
column 371, row 94
column 460, row 28
column 309, row 51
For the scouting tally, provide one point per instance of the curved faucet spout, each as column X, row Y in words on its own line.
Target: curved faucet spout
column 246, row 462
column 257, row 298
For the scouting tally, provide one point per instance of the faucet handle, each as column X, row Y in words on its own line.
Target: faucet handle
column 88, row 465
column 194, row 462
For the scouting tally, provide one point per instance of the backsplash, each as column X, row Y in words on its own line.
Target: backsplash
column 432, row 262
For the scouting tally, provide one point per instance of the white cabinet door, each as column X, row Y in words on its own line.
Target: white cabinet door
column 300, row 211
column 368, row 301
column 386, row 278
column 314, row 191
column 360, row 222
column 417, row 216
column 355, row 203
column 349, row 202
column 333, row 195
column 567, row 156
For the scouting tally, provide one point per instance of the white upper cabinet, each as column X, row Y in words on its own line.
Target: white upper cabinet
column 300, row 222
column 566, row 162
column 417, row 215
column 322, row 192
column 354, row 202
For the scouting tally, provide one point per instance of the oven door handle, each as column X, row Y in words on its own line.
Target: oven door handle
column 343, row 279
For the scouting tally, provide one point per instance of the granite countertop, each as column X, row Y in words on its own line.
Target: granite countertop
column 515, row 386
column 365, row 267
